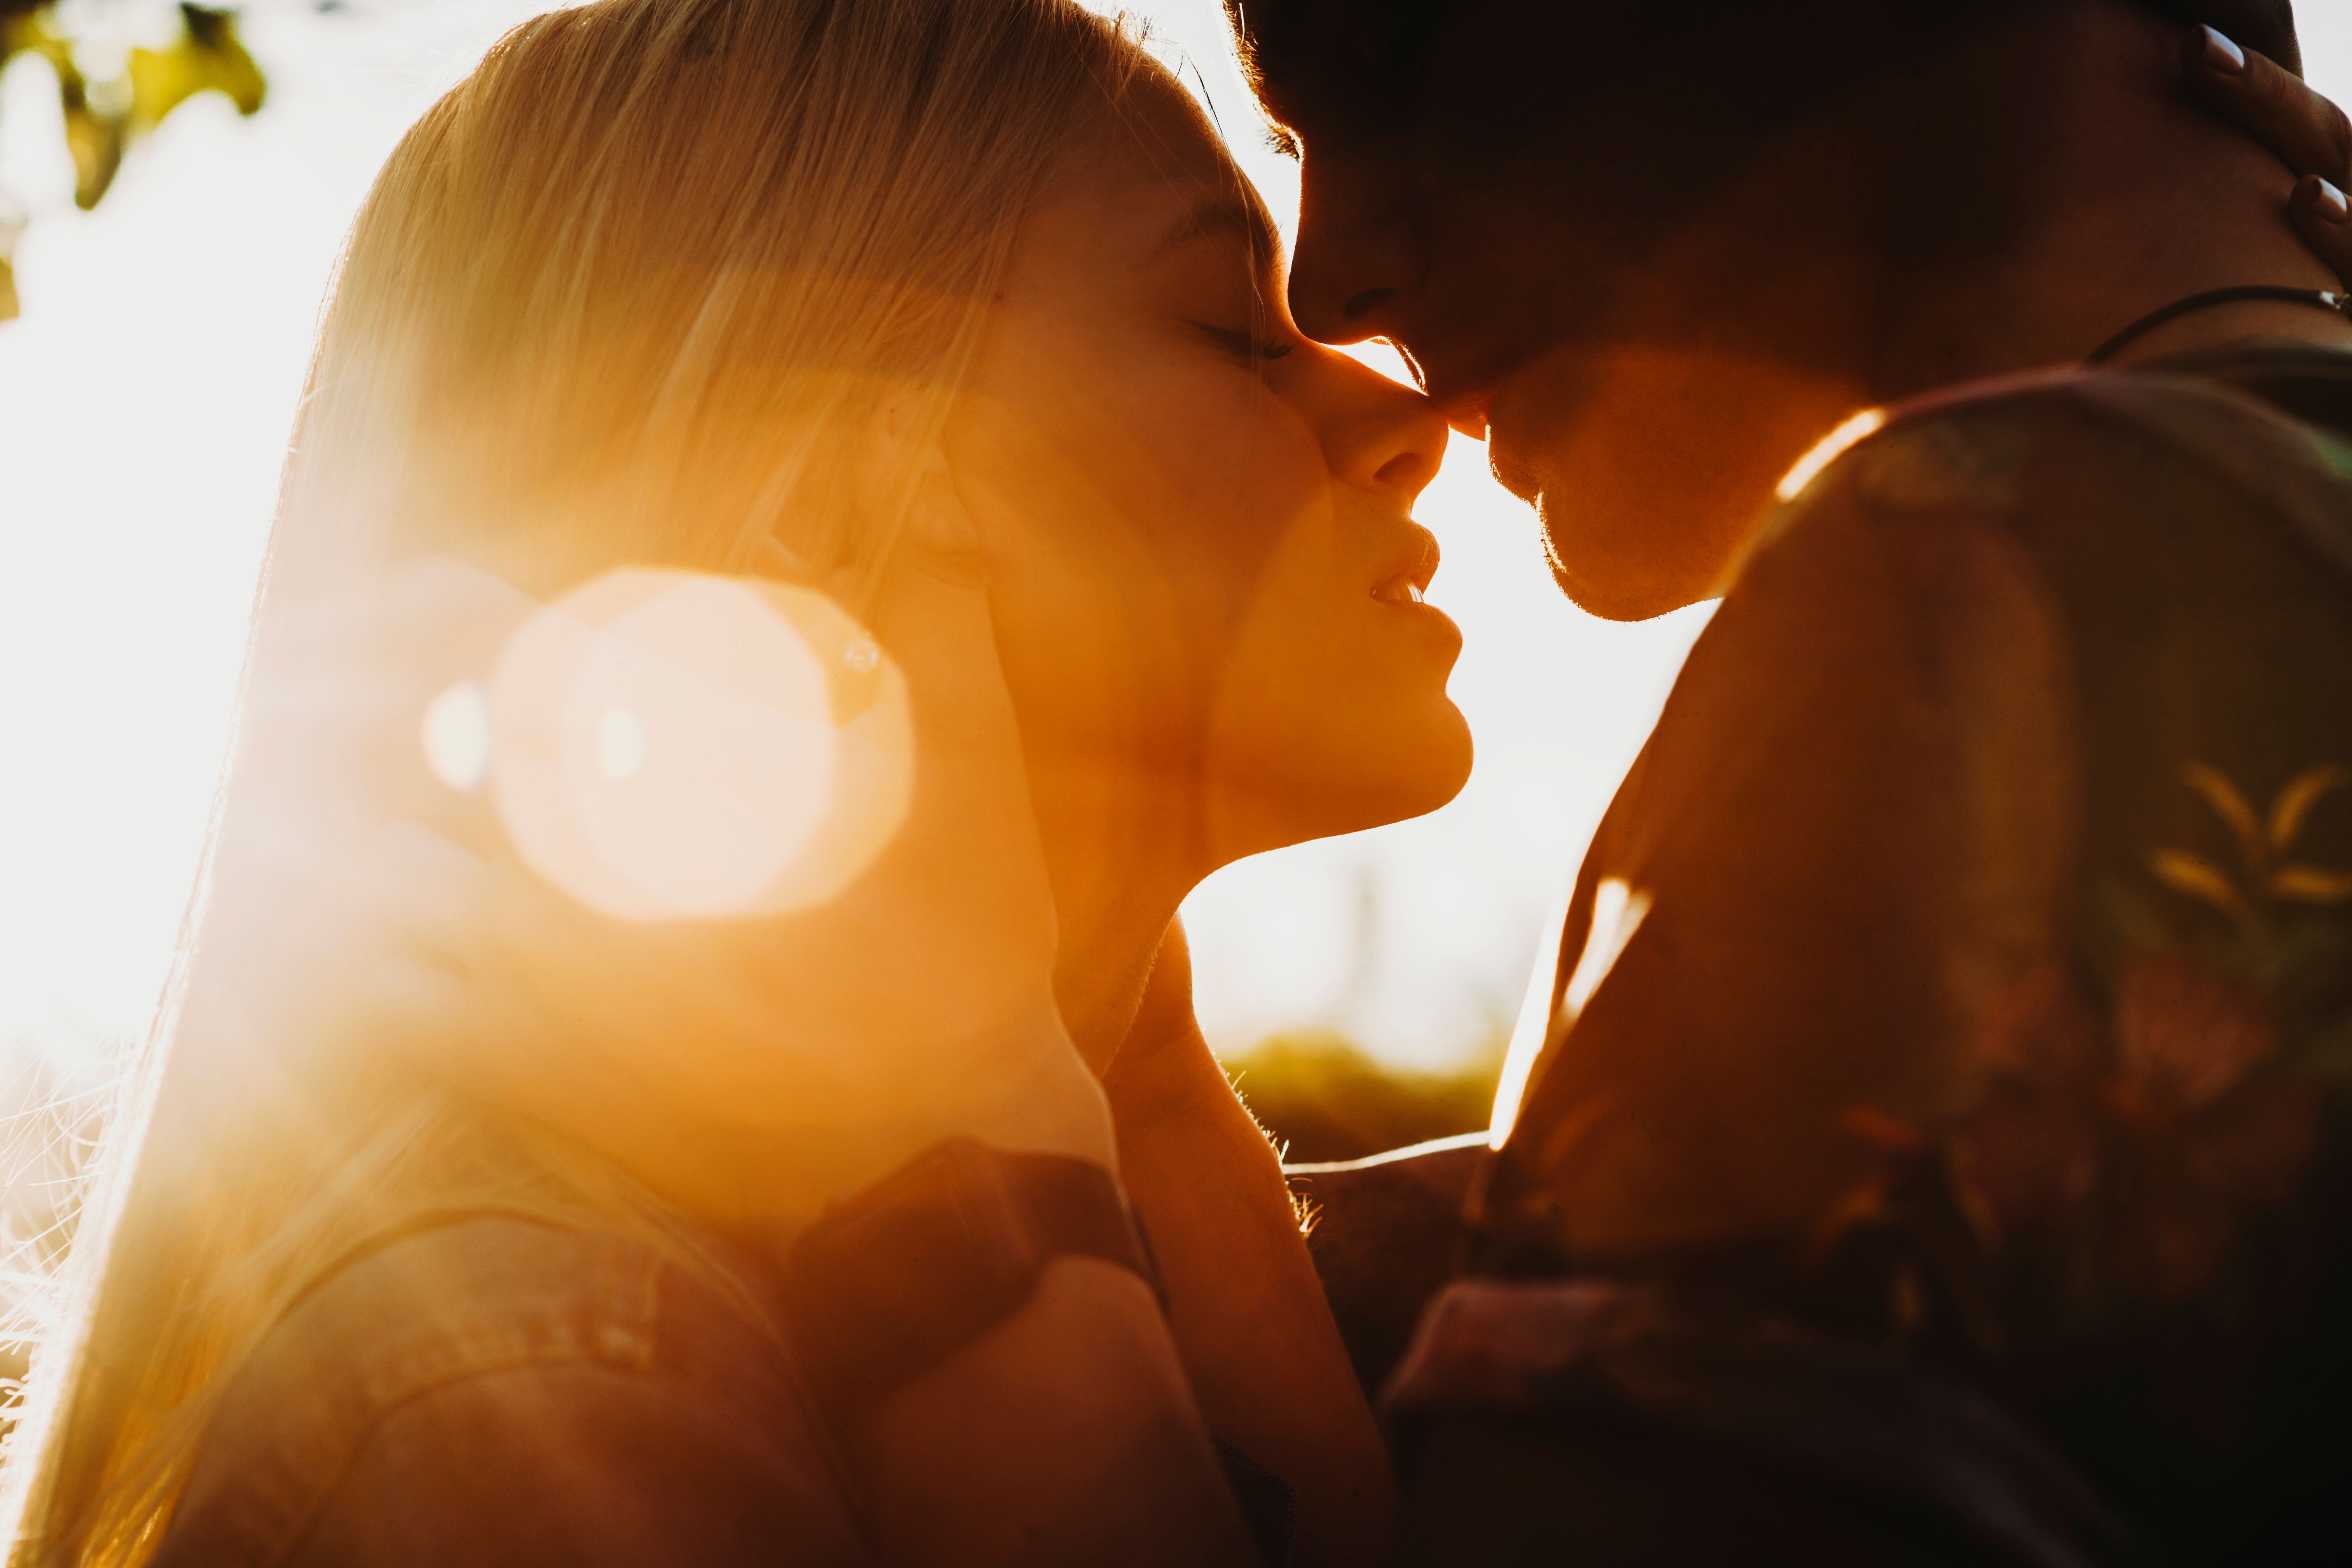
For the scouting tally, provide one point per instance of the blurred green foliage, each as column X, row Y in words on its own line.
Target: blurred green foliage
column 106, row 109
column 1322, row 1097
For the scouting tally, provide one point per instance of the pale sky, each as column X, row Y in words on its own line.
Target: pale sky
column 145, row 397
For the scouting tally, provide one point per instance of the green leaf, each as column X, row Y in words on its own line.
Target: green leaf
column 207, row 58
column 2292, row 808
column 96, row 141
column 2197, row 876
column 2231, row 807
column 12, row 229
column 2311, row 885
column 21, row 21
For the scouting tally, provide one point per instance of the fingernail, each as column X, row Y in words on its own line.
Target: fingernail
column 2220, row 54
column 2331, row 204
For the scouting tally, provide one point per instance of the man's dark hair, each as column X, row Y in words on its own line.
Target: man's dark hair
column 1394, row 37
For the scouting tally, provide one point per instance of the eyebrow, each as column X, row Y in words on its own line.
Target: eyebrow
column 1223, row 216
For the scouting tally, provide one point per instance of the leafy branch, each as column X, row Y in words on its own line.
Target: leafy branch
column 105, row 112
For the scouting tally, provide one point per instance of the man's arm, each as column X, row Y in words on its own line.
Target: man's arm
column 1388, row 1232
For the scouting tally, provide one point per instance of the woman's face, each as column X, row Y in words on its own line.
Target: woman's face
column 1195, row 522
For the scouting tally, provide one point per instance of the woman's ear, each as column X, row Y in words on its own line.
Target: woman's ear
column 901, row 448
column 938, row 521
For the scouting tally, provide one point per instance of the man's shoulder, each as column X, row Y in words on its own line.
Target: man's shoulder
column 560, row 1339
column 2265, row 429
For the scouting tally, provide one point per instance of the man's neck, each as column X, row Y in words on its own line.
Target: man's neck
column 2139, row 198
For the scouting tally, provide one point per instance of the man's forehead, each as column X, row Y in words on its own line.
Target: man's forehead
column 1336, row 64
column 1370, row 40
column 1325, row 48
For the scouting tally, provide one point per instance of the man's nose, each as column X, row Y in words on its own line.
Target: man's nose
column 1357, row 261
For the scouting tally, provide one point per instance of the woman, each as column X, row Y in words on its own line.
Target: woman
column 951, row 331
column 955, row 314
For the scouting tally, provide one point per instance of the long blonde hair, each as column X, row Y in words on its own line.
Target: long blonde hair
column 626, row 295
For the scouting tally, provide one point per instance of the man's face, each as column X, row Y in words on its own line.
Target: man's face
column 1566, row 217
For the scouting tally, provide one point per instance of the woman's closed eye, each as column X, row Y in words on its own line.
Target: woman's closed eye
column 1243, row 345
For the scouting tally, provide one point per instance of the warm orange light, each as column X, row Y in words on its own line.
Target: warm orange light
column 1618, row 911
column 1828, row 450
column 456, row 735
column 665, row 744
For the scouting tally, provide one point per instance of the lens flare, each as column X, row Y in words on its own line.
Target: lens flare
column 667, row 744
column 620, row 743
column 457, row 737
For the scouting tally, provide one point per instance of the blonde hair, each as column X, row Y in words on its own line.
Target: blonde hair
column 626, row 294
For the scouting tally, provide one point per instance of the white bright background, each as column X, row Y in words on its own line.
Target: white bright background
column 145, row 396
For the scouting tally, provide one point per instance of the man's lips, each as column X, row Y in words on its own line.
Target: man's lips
column 1502, row 407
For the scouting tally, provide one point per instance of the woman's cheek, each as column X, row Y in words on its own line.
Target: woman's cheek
column 1252, row 453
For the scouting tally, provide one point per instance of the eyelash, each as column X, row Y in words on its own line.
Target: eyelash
column 1240, row 345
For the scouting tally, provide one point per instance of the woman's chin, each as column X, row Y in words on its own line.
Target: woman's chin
column 1419, row 764
column 1442, row 768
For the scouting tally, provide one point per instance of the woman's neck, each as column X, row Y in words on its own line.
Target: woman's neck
column 1122, row 851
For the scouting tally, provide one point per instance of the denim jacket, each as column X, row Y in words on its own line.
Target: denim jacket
column 495, row 1391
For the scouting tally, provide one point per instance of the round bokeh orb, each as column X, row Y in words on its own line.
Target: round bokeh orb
column 668, row 744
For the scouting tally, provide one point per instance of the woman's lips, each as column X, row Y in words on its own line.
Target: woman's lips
column 1410, row 570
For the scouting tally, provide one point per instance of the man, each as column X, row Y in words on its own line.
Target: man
column 1953, row 1166
column 1503, row 1460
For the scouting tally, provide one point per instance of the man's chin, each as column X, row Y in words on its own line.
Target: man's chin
column 1609, row 573
column 1598, row 441
column 1534, row 413
column 1513, row 469
column 1600, row 575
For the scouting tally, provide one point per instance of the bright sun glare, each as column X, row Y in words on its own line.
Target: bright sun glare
column 663, row 743
column 145, row 396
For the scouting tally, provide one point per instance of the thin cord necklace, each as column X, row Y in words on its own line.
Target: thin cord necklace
column 2318, row 299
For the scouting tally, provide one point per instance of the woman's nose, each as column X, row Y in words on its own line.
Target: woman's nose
column 1357, row 262
column 1378, row 434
